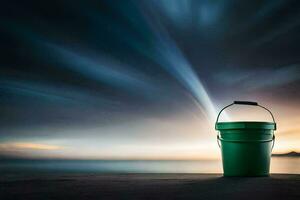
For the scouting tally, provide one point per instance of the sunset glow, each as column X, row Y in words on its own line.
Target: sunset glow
column 144, row 79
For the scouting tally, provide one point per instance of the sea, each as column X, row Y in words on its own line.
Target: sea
column 282, row 165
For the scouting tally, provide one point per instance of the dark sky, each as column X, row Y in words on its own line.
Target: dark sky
column 81, row 64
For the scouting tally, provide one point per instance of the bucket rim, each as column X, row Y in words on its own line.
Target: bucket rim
column 245, row 125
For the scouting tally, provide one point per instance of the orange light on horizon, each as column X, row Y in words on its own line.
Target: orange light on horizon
column 29, row 146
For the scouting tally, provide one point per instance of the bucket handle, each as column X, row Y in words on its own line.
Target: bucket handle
column 250, row 103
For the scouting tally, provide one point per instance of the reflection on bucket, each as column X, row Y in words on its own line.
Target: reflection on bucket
column 246, row 146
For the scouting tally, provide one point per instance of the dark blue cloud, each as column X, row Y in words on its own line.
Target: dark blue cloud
column 64, row 62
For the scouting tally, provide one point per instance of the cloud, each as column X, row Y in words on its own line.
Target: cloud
column 104, row 70
column 51, row 92
column 260, row 78
column 274, row 77
column 278, row 32
column 14, row 146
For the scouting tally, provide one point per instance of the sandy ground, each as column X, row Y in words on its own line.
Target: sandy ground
column 149, row 186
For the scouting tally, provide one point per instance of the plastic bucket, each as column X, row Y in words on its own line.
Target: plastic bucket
column 246, row 146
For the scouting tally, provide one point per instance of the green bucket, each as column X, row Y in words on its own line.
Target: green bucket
column 246, row 146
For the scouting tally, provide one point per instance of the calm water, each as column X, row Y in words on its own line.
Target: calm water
column 278, row 165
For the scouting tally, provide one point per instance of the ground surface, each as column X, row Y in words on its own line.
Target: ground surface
column 149, row 186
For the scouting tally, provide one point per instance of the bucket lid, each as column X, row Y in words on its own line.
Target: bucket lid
column 245, row 125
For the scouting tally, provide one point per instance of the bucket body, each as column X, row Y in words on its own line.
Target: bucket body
column 246, row 147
